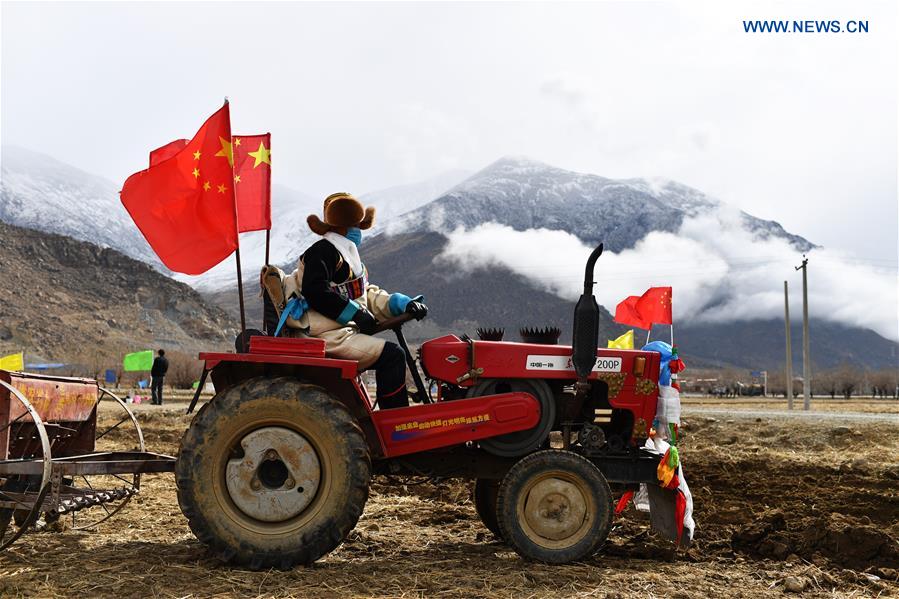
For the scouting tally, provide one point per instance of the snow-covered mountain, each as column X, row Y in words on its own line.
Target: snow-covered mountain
column 394, row 201
column 487, row 236
column 290, row 235
column 42, row 193
column 525, row 194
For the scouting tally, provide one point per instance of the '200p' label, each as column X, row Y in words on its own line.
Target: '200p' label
column 538, row 362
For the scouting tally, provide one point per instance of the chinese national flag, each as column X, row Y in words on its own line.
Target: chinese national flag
column 184, row 203
column 167, row 151
column 626, row 313
column 653, row 307
column 253, row 181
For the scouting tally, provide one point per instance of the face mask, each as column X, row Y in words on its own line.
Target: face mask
column 354, row 234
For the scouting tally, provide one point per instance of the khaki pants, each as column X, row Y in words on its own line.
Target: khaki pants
column 349, row 344
column 344, row 342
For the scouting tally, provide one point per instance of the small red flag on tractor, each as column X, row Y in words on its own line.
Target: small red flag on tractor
column 184, row 203
column 626, row 313
column 253, row 181
column 653, row 307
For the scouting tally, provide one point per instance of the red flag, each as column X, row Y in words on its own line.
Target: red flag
column 622, row 503
column 252, row 178
column 680, row 510
column 655, row 305
column 167, row 151
column 253, row 181
column 184, row 206
column 626, row 313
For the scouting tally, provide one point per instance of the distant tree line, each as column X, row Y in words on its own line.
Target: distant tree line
column 845, row 381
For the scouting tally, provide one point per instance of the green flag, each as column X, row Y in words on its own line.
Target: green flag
column 139, row 360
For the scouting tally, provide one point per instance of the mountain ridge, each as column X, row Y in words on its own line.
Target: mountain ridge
column 42, row 193
column 527, row 194
column 404, row 251
column 495, row 297
column 70, row 300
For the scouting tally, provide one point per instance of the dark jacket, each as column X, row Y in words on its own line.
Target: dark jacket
column 323, row 265
column 160, row 367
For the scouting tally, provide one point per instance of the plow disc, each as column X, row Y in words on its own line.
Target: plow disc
column 22, row 495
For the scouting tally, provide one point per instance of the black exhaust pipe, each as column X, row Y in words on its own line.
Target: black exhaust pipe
column 585, row 338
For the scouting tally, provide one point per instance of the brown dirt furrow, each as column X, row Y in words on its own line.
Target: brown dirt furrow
column 773, row 500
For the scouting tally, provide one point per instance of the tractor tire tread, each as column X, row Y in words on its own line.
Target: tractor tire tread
column 312, row 544
column 507, row 514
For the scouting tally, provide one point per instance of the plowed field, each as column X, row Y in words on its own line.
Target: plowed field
column 811, row 505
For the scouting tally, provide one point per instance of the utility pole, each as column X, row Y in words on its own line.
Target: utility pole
column 806, row 367
column 789, row 348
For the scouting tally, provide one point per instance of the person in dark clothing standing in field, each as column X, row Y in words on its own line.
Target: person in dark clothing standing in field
column 157, row 374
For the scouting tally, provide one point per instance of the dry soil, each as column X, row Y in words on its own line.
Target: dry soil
column 779, row 503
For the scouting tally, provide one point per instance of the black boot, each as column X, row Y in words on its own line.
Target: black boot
column 390, row 375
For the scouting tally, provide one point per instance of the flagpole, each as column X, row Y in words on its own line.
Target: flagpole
column 243, row 318
column 268, row 192
column 648, row 331
column 672, row 334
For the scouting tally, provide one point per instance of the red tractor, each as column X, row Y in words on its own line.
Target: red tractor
column 274, row 470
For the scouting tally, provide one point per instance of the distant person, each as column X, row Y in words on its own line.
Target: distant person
column 157, row 374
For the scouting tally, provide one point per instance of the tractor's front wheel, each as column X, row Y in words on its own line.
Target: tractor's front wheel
column 555, row 507
column 273, row 473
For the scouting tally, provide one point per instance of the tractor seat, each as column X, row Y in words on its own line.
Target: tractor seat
column 287, row 346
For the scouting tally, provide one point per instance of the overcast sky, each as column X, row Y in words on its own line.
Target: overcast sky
column 799, row 128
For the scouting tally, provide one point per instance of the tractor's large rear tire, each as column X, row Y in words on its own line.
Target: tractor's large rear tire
column 485, row 493
column 273, row 473
column 554, row 506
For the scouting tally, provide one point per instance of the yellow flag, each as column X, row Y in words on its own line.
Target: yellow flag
column 626, row 341
column 13, row 362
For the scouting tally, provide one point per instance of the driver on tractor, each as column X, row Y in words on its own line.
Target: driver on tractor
column 344, row 308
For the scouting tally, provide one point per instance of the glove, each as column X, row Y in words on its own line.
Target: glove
column 365, row 321
column 417, row 309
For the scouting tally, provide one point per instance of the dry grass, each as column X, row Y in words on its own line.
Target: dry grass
column 426, row 540
column 819, row 404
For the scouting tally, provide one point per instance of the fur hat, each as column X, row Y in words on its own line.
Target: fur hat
column 341, row 211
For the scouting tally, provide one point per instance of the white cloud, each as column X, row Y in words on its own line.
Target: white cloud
column 373, row 95
column 718, row 270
